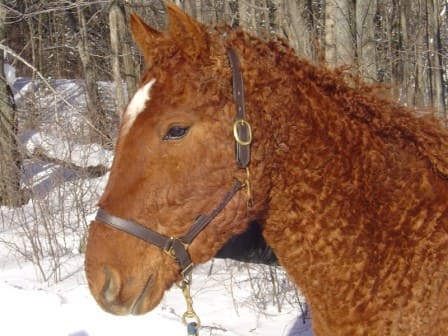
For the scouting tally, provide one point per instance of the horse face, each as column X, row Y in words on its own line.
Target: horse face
column 173, row 162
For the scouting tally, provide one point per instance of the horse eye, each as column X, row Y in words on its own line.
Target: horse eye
column 176, row 133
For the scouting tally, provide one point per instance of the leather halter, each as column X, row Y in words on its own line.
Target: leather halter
column 241, row 128
column 177, row 248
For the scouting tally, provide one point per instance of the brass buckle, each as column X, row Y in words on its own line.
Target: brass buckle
column 169, row 250
column 187, row 270
column 239, row 123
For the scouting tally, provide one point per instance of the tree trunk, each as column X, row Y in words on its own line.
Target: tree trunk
column 435, row 51
column 96, row 113
column 243, row 12
column 365, row 38
column 10, row 160
column 330, row 33
column 130, row 71
column 33, row 115
column 339, row 45
column 221, row 11
column 422, row 85
column 273, row 13
column 297, row 27
column 189, row 6
column 315, row 12
column 406, row 81
column 115, row 15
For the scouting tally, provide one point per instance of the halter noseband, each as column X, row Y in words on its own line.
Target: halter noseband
column 177, row 248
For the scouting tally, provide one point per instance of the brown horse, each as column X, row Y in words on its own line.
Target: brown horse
column 350, row 188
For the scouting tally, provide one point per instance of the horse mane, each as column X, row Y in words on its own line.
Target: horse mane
column 365, row 104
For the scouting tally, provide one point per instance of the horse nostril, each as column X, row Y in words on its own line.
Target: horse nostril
column 112, row 285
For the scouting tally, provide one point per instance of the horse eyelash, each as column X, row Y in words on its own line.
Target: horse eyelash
column 176, row 133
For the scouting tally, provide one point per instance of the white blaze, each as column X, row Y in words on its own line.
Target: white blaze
column 137, row 104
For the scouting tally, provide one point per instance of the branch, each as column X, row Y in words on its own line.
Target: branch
column 90, row 171
column 39, row 74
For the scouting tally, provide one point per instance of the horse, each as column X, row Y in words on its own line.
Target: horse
column 225, row 129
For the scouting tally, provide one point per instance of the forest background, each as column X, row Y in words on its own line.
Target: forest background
column 400, row 44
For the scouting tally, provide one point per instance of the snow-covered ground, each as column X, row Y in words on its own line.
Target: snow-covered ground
column 43, row 289
column 30, row 307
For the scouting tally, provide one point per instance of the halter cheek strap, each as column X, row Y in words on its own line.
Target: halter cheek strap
column 241, row 128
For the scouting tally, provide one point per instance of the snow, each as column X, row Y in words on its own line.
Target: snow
column 10, row 73
column 30, row 307
column 80, row 155
column 46, row 293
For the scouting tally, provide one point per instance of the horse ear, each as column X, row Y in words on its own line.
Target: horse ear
column 189, row 34
column 144, row 36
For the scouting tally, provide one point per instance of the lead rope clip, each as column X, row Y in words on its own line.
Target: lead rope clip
column 189, row 318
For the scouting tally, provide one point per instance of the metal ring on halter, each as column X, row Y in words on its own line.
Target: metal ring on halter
column 242, row 123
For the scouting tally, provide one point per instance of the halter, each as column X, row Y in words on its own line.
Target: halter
column 177, row 248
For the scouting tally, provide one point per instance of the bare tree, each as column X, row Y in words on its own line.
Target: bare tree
column 339, row 42
column 10, row 159
column 435, row 52
column 116, row 16
column 295, row 26
column 365, row 38
column 405, row 51
column 97, row 115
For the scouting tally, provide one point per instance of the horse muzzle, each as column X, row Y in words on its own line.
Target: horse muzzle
column 119, row 296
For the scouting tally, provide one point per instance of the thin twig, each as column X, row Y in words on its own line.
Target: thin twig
column 44, row 80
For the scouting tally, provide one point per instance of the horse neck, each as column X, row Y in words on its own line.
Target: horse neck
column 348, row 175
column 288, row 110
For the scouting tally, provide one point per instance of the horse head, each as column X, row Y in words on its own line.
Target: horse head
column 174, row 164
